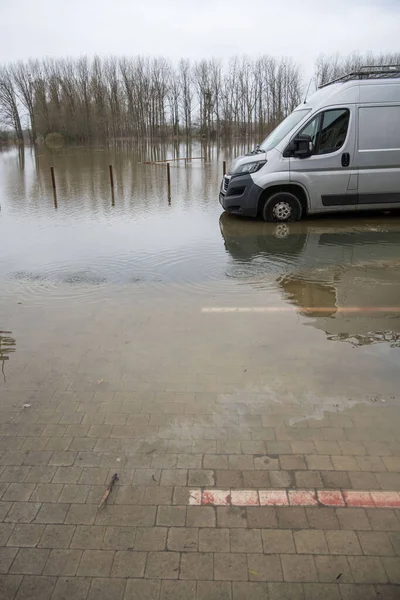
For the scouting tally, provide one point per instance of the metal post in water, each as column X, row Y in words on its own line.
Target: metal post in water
column 224, row 168
column 169, row 180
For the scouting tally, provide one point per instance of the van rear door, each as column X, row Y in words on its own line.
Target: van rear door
column 328, row 174
column 378, row 155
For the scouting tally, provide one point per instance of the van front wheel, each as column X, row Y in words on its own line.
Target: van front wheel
column 282, row 206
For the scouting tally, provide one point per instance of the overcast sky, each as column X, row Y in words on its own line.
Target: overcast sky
column 301, row 29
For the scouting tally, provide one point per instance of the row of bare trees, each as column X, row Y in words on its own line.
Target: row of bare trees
column 95, row 100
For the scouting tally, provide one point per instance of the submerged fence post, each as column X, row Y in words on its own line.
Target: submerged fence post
column 224, row 168
column 169, row 181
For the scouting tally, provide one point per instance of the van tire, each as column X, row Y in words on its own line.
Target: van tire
column 282, row 207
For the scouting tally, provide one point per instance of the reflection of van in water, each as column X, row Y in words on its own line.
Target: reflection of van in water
column 325, row 270
column 339, row 150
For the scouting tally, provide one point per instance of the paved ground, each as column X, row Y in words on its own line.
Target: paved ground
column 58, row 454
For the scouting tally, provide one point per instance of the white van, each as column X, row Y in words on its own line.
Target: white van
column 338, row 151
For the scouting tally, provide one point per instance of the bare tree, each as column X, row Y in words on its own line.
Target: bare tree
column 9, row 114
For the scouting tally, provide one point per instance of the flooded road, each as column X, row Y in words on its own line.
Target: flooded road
column 144, row 292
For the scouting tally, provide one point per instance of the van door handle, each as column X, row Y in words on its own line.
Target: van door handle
column 345, row 159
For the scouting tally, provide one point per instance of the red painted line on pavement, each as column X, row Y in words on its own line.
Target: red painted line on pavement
column 302, row 498
column 330, row 498
column 334, row 498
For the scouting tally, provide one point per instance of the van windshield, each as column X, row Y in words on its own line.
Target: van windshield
column 283, row 129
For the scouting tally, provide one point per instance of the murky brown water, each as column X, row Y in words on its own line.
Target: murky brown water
column 143, row 287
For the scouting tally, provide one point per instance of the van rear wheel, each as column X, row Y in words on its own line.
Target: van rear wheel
column 281, row 207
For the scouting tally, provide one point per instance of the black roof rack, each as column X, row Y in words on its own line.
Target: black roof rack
column 368, row 72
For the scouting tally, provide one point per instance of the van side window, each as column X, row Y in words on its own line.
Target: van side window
column 328, row 130
column 333, row 130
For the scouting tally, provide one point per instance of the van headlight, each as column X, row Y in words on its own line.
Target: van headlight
column 251, row 167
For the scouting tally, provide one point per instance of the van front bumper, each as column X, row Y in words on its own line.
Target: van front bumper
column 240, row 195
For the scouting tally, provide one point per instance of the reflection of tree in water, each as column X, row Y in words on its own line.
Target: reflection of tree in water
column 373, row 337
column 7, row 345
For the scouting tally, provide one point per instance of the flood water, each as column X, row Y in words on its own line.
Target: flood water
column 126, row 290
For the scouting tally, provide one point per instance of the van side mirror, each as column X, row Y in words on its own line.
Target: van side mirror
column 300, row 147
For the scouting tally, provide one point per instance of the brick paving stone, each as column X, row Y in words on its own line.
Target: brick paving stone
column 383, row 519
column 285, row 591
column 158, row 495
column 292, row 462
column 30, row 561
column 150, row 538
column 343, row 542
column 25, row 535
column 162, row 565
column 9, row 585
column 143, row 589
column 310, row 542
column 387, row 592
column 333, row 568
column 214, row 540
column 375, row 543
column 230, row 567
column 107, row 589
column 191, row 461
column 249, row 591
column 215, row 461
column 316, row 591
column 81, row 514
column 197, row 566
column 389, row 481
column 174, row 477
column 367, row 569
column 18, row 492
column 36, row 588
column 128, row 564
column 95, row 563
column 263, row 517
column 245, row 540
column 7, row 556
column 40, row 475
column 231, row 516
column 178, row 590
column 277, row 541
column 52, row 513
column 22, row 512
column 201, row 477
column 308, row 479
column 322, row 518
column 63, row 562
column 298, row 568
column 5, row 532
column 291, row 517
column 67, row 475
column 74, row 494
column 264, row 568
column 88, row 537
column 394, row 538
column 256, row 479
column 229, row 479
column 214, row 590
column 46, row 492
column 118, row 538
column 183, row 539
column 14, row 474
column 75, row 588
column 353, row 518
column 319, row 462
column 130, row 494
column 335, row 480
column 360, row 480
column 201, row 516
column 392, row 567
column 171, row 516
column 56, row 536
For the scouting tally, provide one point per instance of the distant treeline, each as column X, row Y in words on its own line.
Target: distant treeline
column 110, row 98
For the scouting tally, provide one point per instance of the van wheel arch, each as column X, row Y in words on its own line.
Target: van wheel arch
column 294, row 190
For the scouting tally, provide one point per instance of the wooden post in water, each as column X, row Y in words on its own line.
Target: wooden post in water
column 169, row 181
column 53, row 183
column 111, row 177
column 53, row 180
column 224, row 168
